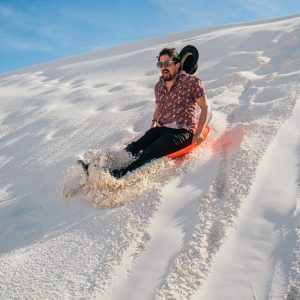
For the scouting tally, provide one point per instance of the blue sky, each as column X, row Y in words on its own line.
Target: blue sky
column 36, row 31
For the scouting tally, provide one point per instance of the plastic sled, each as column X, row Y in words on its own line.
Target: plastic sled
column 191, row 147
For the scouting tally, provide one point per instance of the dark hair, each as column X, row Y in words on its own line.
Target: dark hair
column 171, row 52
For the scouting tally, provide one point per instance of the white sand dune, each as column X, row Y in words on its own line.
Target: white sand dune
column 222, row 224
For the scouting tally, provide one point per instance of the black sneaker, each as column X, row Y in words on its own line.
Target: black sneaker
column 118, row 173
column 85, row 166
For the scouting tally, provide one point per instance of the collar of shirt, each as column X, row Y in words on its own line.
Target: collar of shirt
column 179, row 74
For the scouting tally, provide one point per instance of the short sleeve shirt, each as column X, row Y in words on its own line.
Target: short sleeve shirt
column 178, row 106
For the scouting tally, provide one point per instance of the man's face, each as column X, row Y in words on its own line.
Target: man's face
column 171, row 71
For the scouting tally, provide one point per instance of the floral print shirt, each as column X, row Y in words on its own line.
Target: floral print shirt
column 178, row 106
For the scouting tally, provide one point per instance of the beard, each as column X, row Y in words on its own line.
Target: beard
column 167, row 76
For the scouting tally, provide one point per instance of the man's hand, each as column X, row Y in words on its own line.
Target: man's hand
column 198, row 138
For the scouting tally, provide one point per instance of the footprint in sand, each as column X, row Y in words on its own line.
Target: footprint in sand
column 100, row 85
column 134, row 106
column 117, row 88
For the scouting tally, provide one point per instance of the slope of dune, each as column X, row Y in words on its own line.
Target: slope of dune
column 222, row 224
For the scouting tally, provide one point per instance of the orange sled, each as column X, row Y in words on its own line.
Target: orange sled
column 191, row 147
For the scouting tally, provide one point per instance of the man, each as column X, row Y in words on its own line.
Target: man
column 174, row 125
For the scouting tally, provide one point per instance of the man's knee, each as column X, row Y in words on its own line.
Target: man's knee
column 133, row 149
column 149, row 137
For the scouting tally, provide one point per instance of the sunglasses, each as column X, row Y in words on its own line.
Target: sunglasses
column 166, row 63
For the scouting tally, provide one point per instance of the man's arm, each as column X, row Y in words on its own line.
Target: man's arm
column 155, row 116
column 203, row 104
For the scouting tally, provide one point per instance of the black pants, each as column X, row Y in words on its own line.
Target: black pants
column 155, row 143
